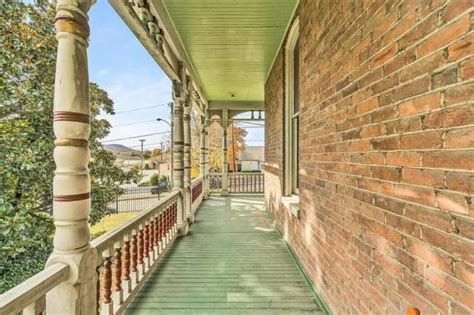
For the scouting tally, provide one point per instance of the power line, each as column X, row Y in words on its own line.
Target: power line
column 149, row 144
column 134, row 123
column 134, row 137
column 137, row 109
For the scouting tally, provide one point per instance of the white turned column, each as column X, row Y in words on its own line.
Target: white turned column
column 178, row 154
column 225, row 166
column 71, row 187
column 187, row 159
column 202, row 155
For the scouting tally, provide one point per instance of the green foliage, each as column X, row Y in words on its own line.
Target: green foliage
column 147, row 154
column 163, row 178
column 147, row 166
column 154, row 180
column 27, row 70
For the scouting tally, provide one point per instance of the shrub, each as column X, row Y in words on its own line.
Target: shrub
column 154, row 180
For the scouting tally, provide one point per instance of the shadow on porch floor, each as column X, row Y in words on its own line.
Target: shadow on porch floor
column 232, row 262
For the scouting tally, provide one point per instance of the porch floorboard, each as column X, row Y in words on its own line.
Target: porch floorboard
column 232, row 262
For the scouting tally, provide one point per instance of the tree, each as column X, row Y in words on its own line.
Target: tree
column 215, row 144
column 27, row 68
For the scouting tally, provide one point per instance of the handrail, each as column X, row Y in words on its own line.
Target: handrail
column 33, row 289
column 114, row 235
column 196, row 181
column 129, row 253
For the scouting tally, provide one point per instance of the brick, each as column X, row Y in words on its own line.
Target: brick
column 414, row 194
column 406, row 226
column 446, row 77
column 421, row 30
column 464, row 273
column 444, row 36
column 448, row 159
column 452, row 244
column 403, row 125
column 385, row 84
column 462, row 182
column 399, row 29
column 386, row 144
column 424, row 251
column 383, row 114
column 450, row 117
column 467, row 69
column 372, row 131
column 422, row 140
column 386, row 173
column 416, row 87
column 403, row 158
column 428, row 216
column 386, row 153
column 423, row 66
column 454, row 9
column 385, row 55
column 460, row 292
column 465, row 226
column 459, row 94
column 460, row 138
column 422, row 177
column 452, row 203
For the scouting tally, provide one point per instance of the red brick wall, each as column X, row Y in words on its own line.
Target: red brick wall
column 387, row 154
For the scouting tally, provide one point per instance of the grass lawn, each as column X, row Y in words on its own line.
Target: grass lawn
column 109, row 222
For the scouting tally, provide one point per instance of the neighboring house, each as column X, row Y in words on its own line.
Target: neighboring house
column 251, row 158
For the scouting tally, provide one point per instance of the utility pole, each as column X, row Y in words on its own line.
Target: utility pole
column 141, row 141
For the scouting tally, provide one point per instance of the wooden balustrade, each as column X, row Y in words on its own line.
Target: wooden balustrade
column 131, row 252
column 197, row 189
column 238, row 182
column 30, row 295
column 128, row 254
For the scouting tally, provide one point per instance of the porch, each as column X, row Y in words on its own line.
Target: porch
column 232, row 262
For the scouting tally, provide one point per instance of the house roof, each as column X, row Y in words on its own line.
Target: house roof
column 253, row 153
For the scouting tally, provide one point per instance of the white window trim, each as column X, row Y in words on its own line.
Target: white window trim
column 289, row 98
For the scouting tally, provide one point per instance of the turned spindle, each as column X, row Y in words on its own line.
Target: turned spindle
column 146, row 240
column 134, row 252
column 107, row 280
column 140, row 246
column 117, row 269
column 126, row 260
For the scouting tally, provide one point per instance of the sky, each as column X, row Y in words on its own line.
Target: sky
column 122, row 67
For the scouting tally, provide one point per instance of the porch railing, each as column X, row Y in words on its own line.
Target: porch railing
column 197, row 189
column 130, row 253
column 238, row 182
column 246, row 182
column 215, row 182
column 29, row 297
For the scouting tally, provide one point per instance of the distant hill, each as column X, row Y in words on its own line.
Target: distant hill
column 118, row 148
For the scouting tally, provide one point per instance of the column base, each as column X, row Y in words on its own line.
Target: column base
column 183, row 229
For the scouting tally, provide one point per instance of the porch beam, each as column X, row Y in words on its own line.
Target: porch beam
column 176, row 43
column 237, row 105
column 165, row 59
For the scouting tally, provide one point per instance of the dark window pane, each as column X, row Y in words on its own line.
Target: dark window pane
column 296, row 78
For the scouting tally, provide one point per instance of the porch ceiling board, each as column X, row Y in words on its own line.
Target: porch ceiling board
column 231, row 44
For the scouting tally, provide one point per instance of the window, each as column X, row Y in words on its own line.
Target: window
column 292, row 83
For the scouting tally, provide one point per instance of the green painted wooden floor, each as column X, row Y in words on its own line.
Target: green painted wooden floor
column 232, row 262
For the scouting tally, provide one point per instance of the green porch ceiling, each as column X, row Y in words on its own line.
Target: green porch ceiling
column 231, row 43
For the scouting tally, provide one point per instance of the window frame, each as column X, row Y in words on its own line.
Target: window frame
column 291, row 149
